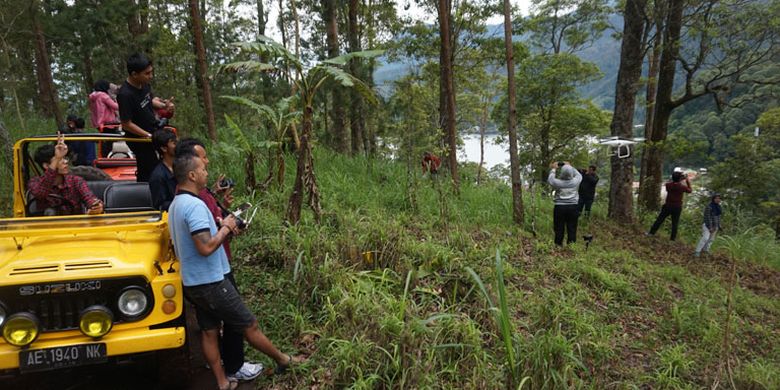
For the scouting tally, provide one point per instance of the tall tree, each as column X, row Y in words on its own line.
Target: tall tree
column 46, row 88
column 621, row 199
column 655, row 23
column 138, row 24
column 338, row 116
column 200, row 54
column 652, row 158
column 357, row 121
column 447, row 90
column 517, row 184
column 262, row 17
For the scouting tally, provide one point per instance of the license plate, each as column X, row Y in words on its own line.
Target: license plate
column 61, row 357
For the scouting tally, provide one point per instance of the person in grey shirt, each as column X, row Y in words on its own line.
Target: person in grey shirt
column 566, row 212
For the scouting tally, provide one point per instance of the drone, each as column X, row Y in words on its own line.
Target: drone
column 621, row 147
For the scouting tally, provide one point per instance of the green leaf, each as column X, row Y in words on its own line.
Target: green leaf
column 343, row 59
column 348, row 80
column 247, row 66
column 238, row 134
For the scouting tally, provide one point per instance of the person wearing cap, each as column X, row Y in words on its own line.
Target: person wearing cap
column 675, row 189
column 711, row 225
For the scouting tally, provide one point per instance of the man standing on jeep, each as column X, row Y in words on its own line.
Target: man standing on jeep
column 57, row 192
column 136, row 111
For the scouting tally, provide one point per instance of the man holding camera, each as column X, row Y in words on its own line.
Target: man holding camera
column 675, row 189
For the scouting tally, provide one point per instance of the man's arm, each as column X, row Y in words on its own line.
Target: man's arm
column 40, row 187
column 126, row 114
column 94, row 205
column 128, row 125
column 206, row 244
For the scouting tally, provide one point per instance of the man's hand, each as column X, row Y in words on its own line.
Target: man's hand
column 169, row 104
column 230, row 222
column 227, row 197
column 96, row 208
column 216, row 187
column 61, row 149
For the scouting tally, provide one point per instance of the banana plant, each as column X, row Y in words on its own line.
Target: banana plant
column 244, row 144
column 307, row 82
column 280, row 119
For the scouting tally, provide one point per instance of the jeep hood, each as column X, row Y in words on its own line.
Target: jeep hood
column 71, row 248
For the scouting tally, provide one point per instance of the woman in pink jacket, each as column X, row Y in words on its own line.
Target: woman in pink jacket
column 101, row 106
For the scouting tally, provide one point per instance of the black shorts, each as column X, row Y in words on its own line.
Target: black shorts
column 219, row 302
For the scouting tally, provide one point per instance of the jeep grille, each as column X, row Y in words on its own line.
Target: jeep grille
column 58, row 304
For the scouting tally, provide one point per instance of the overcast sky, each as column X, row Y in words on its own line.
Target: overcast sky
column 407, row 8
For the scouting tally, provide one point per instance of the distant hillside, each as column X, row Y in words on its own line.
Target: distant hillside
column 604, row 52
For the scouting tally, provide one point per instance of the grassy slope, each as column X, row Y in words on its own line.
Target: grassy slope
column 629, row 312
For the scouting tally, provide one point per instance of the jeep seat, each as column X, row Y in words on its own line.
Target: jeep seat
column 99, row 187
column 127, row 197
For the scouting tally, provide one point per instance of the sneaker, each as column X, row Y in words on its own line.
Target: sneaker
column 247, row 372
column 697, row 254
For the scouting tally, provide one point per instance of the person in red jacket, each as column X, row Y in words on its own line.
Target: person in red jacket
column 679, row 185
column 430, row 163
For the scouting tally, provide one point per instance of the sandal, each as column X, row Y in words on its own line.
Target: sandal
column 232, row 385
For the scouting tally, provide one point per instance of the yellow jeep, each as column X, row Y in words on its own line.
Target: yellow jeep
column 85, row 289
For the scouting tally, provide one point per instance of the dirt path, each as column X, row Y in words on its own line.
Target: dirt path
column 115, row 377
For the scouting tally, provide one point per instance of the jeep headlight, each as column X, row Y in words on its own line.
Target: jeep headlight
column 96, row 321
column 132, row 302
column 21, row 329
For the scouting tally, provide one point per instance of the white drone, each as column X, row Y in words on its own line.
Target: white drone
column 621, row 147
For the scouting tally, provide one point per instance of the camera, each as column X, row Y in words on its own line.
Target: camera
column 227, row 183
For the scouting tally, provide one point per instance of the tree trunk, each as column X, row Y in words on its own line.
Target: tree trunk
column 370, row 125
column 621, row 199
column 482, row 125
column 652, row 82
column 46, row 88
column 447, row 104
column 5, row 139
column 249, row 168
column 357, row 122
column 650, row 193
column 514, row 162
column 200, row 53
column 282, row 24
column 138, row 24
column 89, row 80
column 262, row 18
column 338, row 132
column 304, row 155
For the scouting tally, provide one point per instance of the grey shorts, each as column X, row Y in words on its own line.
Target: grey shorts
column 219, row 302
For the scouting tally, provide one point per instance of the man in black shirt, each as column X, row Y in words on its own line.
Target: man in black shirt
column 162, row 183
column 136, row 111
column 587, row 189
